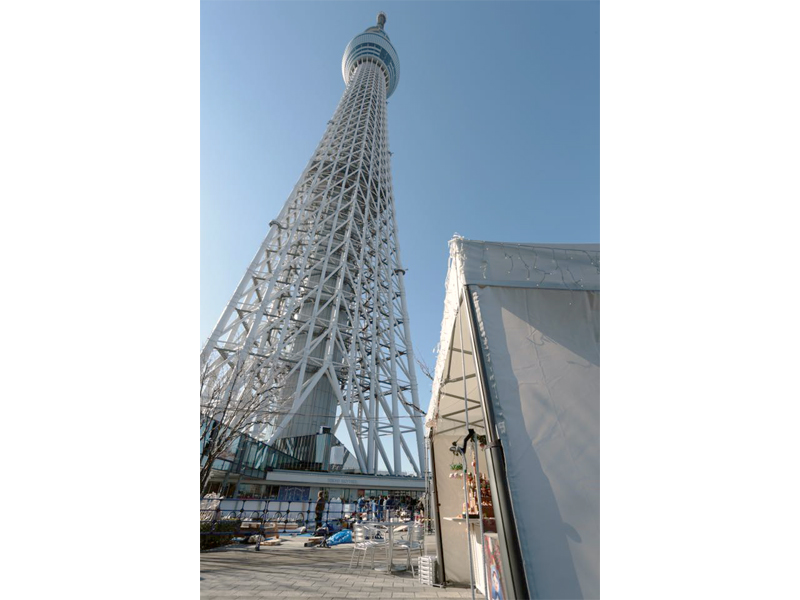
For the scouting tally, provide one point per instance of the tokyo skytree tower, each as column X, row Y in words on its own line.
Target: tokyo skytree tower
column 321, row 314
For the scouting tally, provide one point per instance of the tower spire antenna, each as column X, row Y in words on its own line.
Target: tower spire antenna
column 381, row 19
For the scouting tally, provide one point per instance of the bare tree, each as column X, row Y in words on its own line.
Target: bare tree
column 232, row 405
column 426, row 370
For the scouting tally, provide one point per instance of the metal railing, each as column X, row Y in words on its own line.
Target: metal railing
column 286, row 517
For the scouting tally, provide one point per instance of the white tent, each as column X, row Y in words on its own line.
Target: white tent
column 519, row 362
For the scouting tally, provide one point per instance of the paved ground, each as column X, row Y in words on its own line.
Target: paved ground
column 291, row 571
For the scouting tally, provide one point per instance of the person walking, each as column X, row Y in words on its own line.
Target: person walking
column 360, row 506
column 319, row 508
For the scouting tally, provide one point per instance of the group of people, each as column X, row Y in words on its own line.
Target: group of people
column 375, row 508
column 379, row 507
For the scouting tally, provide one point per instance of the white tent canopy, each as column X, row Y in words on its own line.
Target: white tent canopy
column 521, row 331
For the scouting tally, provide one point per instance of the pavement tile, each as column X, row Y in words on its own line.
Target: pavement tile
column 291, row 571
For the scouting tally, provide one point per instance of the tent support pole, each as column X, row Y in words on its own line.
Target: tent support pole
column 485, row 573
column 496, row 468
column 435, row 510
column 464, row 458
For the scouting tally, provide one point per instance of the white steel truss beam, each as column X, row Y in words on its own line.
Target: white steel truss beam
column 320, row 312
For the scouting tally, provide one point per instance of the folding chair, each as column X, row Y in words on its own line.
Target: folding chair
column 414, row 543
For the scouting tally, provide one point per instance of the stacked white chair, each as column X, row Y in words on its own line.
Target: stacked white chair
column 427, row 570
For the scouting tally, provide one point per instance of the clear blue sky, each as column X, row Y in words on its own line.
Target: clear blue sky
column 494, row 128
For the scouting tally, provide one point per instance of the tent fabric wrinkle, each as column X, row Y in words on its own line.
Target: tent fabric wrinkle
column 548, row 266
column 572, row 267
column 550, row 401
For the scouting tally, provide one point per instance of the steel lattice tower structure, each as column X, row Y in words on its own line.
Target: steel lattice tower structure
column 321, row 310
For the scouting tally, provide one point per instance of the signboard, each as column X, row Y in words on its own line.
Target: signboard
column 293, row 493
column 493, row 566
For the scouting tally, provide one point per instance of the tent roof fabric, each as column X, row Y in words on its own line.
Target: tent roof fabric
column 542, row 266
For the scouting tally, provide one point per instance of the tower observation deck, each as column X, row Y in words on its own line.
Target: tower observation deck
column 317, row 332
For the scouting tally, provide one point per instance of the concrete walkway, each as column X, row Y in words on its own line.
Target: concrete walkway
column 292, row 571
